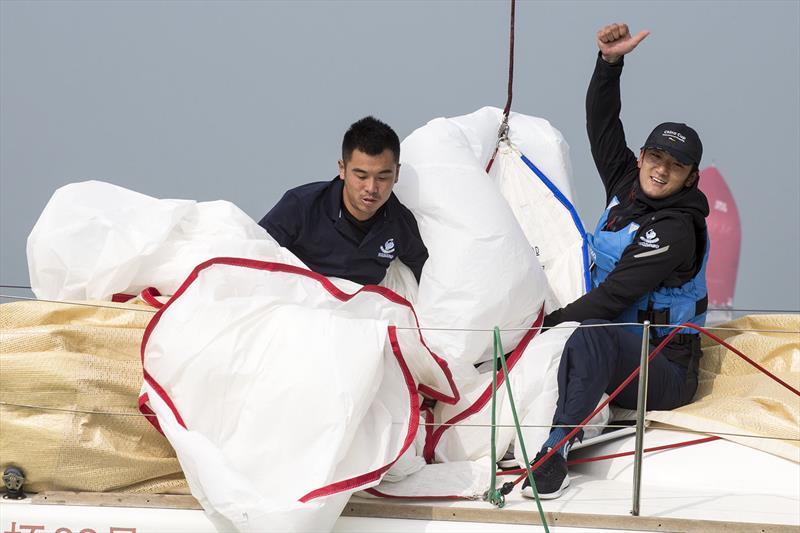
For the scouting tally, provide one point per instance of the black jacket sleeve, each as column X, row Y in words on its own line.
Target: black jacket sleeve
column 283, row 221
column 645, row 265
column 615, row 162
column 416, row 254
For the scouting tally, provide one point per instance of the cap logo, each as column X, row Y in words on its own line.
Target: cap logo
column 674, row 136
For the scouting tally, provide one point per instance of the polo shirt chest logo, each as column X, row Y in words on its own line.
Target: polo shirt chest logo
column 387, row 250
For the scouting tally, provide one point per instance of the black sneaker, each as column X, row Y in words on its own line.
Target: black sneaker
column 551, row 478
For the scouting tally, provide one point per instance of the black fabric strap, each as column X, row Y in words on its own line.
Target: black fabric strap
column 701, row 306
column 655, row 316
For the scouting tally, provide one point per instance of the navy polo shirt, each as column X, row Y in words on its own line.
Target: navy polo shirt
column 308, row 220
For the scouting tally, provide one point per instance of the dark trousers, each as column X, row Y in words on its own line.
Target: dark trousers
column 597, row 360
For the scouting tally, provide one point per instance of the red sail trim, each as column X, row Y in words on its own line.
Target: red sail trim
column 148, row 413
column 149, row 296
column 413, row 425
column 337, row 293
column 413, row 421
column 379, row 494
column 430, row 444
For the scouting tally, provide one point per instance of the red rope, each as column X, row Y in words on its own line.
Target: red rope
column 491, row 161
column 571, row 462
column 646, row 450
column 376, row 492
column 635, row 373
column 510, row 60
column 516, row 471
column 743, row 356
column 507, row 108
column 617, row 391
column 605, row 402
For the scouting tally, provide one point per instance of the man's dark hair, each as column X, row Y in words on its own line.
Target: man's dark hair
column 372, row 137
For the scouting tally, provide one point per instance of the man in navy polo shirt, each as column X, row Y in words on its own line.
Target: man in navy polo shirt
column 353, row 226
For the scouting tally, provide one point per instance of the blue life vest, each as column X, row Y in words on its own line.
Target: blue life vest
column 664, row 305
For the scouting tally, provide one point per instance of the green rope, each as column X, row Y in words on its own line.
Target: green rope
column 500, row 354
column 494, row 496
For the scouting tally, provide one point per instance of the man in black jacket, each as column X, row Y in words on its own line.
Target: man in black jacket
column 649, row 252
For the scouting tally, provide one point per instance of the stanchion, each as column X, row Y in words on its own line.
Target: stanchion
column 641, row 409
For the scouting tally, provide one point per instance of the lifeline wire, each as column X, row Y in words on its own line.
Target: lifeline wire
column 420, row 328
column 144, row 309
column 735, row 310
column 81, row 411
column 609, row 325
column 618, row 426
column 732, row 309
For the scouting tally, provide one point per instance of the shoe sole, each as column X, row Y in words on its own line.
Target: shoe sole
column 507, row 464
column 528, row 491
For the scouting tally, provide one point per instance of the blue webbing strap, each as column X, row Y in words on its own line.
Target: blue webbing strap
column 573, row 213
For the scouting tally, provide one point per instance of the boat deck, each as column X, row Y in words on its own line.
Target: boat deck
column 713, row 487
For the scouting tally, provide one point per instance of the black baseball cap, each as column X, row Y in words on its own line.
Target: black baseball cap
column 677, row 139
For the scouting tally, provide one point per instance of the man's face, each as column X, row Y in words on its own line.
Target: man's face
column 368, row 182
column 661, row 175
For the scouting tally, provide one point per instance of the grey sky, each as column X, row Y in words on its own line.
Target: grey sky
column 241, row 100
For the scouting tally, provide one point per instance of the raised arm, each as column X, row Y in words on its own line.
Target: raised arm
column 615, row 162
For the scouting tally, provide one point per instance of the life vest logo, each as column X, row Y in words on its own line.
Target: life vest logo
column 387, row 250
column 649, row 239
